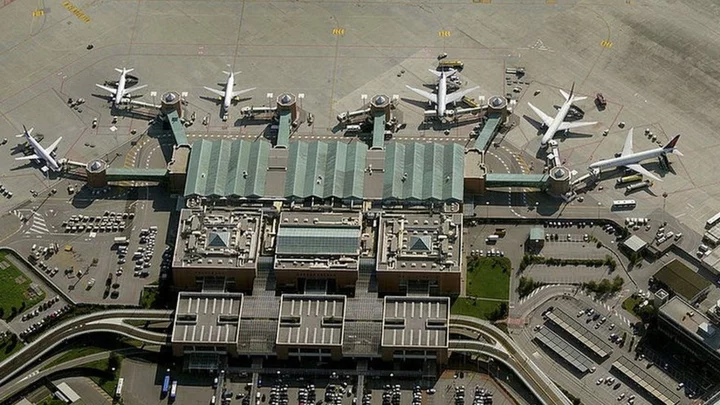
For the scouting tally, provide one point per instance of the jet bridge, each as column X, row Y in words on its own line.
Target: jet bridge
column 135, row 173
column 177, row 128
column 489, row 130
column 539, row 181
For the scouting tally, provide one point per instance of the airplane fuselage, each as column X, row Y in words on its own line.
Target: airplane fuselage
column 630, row 159
column 40, row 152
column 227, row 99
column 442, row 92
column 120, row 89
column 555, row 124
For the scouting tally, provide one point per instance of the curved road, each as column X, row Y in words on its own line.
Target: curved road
column 535, row 379
column 16, row 386
column 104, row 321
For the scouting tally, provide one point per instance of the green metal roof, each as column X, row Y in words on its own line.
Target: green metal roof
column 178, row 129
column 324, row 170
column 421, row 171
column 516, row 180
column 488, row 131
column 135, row 173
column 284, row 128
column 313, row 240
column 378, row 130
column 227, row 168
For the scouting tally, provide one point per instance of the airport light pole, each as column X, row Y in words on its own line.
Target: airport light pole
column 487, row 209
column 665, row 195
column 598, row 210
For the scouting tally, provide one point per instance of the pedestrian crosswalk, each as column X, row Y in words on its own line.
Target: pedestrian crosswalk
column 37, row 225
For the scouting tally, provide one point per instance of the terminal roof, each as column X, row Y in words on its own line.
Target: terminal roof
column 416, row 322
column 311, row 320
column 207, row 318
column 681, row 279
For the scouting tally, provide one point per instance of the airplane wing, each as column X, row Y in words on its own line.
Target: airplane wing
column 547, row 120
column 636, row 167
column 564, row 94
column 106, row 88
column 572, row 125
column 456, row 96
column 218, row 92
column 239, row 92
column 54, row 146
column 429, row 96
column 30, row 157
column 628, row 149
column 136, row 88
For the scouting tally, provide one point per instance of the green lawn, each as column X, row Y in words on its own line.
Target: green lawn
column 14, row 288
column 74, row 353
column 489, row 277
column 475, row 307
column 630, row 303
column 51, row 400
column 6, row 349
column 86, row 346
column 107, row 384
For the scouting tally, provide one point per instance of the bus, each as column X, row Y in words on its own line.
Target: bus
column 118, row 390
column 121, row 240
column 624, row 204
column 173, row 390
column 712, row 221
column 165, row 386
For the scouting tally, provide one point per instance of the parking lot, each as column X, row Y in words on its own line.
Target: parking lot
column 603, row 383
column 77, row 247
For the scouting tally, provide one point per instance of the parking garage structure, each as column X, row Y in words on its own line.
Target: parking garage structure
column 419, row 253
column 206, row 327
column 580, row 333
column 641, row 378
column 216, row 249
column 415, row 328
column 311, row 326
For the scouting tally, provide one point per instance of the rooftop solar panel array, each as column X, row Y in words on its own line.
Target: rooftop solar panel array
column 564, row 349
column 646, row 381
column 581, row 333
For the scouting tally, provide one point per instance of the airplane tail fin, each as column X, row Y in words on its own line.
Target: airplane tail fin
column 226, row 72
column 25, row 132
column 671, row 144
column 119, row 70
column 123, row 70
column 231, row 73
column 448, row 72
column 572, row 90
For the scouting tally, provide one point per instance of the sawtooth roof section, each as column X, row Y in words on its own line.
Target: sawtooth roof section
column 417, row 171
column 227, row 168
column 324, row 170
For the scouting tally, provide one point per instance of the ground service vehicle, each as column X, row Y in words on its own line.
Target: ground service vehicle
column 173, row 390
column 165, row 386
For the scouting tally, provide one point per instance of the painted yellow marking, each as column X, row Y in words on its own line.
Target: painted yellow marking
column 483, row 1
column 38, row 13
column 606, row 44
column 338, row 31
column 550, row 2
column 444, row 33
column 78, row 13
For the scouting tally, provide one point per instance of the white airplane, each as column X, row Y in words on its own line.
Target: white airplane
column 41, row 153
column 228, row 95
column 121, row 92
column 558, row 123
column 632, row 160
column 442, row 99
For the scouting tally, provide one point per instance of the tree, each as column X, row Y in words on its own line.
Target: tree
column 13, row 312
column 2, row 312
column 526, row 286
column 114, row 361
